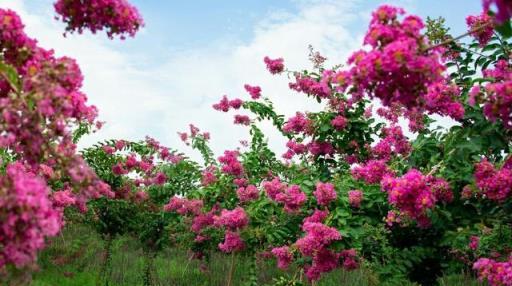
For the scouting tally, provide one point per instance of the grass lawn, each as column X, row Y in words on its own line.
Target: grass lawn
column 75, row 258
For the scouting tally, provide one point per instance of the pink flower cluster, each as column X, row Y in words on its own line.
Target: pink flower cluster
column 324, row 193
column 242, row 120
column 294, row 148
column 495, row 184
column 315, row 245
column 297, row 124
column 225, row 104
column 249, row 193
column 399, row 69
column 184, row 206
column 232, row 219
column 118, row 17
column 274, row 187
column 317, row 236
column 482, row 27
column 498, row 96
column 208, row 176
column 310, row 86
column 439, row 100
column 317, row 216
column 496, row 273
column 232, row 242
column 254, row 91
column 202, row 221
column 355, row 197
column 284, row 256
column 317, row 148
column 291, row 196
column 194, row 133
column 274, row 66
column 474, row 242
column 28, row 216
column 413, row 194
column 394, row 142
column 230, row 163
column 339, row 122
column 372, row 172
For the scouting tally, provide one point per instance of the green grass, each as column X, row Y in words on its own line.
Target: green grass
column 75, row 258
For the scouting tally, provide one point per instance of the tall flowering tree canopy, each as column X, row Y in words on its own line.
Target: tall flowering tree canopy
column 41, row 105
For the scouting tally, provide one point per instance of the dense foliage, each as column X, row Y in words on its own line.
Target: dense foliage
column 352, row 190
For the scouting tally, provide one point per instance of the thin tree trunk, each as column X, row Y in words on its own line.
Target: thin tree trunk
column 231, row 269
column 103, row 277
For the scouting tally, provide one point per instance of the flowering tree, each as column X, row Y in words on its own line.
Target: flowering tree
column 43, row 112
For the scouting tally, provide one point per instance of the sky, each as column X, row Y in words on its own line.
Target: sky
column 190, row 53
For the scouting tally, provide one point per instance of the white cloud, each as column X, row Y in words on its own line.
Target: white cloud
column 137, row 100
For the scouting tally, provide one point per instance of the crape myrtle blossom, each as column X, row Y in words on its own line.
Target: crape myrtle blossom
column 249, row 193
column 292, row 198
column 225, row 104
column 232, row 242
column 208, row 176
column 242, row 120
column 184, row 206
column 317, row 216
column 187, row 137
column 230, row 163
column 317, row 236
column 324, row 193
column 496, row 96
column 284, row 256
column 254, row 91
column 310, row 86
column 232, row 219
column 393, row 143
column 274, row 187
column 117, row 17
column 274, row 66
column 474, row 242
column 494, row 184
column 398, row 69
column 28, row 216
column 414, row 193
column 496, row 273
column 315, row 244
column 354, row 198
column 339, row 122
column 482, row 27
column 318, row 148
column 294, row 148
column 297, row 124
column 372, row 172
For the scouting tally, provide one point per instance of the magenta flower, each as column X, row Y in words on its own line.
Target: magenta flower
column 274, row 66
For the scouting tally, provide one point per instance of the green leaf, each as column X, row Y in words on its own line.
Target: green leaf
column 505, row 29
column 11, row 75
